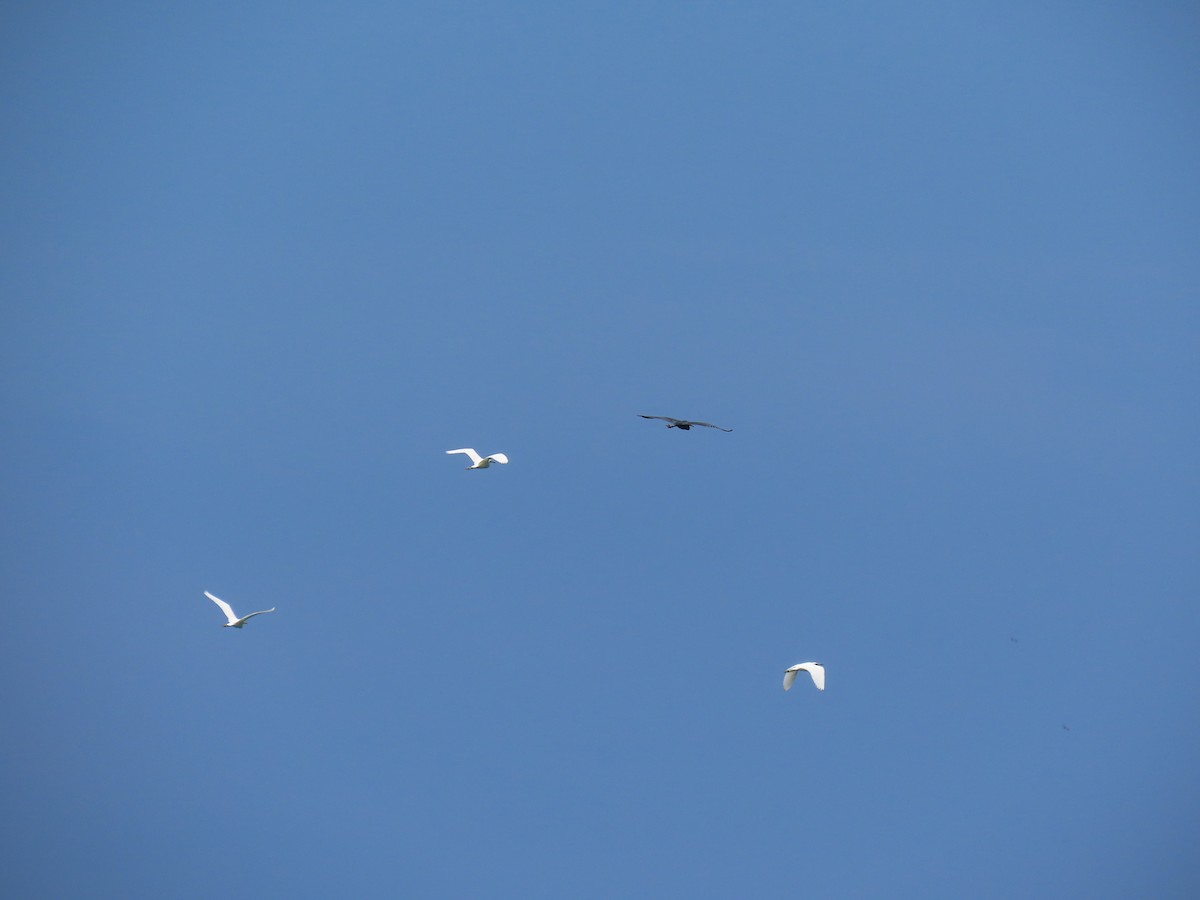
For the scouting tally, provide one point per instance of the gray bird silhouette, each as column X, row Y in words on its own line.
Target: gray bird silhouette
column 684, row 424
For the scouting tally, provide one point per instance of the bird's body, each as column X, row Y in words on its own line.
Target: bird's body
column 235, row 621
column 685, row 424
column 481, row 462
column 816, row 670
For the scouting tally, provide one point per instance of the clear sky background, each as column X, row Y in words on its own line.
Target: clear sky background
column 936, row 265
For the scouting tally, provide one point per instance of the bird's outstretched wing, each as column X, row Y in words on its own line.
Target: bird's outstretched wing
column 474, row 457
column 816, row 670
column 500, row 458
column 664, row 418
column 259, row 613
column 710, row 425
column 225, row 607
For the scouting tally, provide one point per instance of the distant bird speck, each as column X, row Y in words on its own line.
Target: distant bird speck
column 816, row 670
column 234, row 620
column 684, row 424
column 481, row 462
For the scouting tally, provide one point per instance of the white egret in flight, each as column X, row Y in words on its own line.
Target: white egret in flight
column 481, row 462
column 234, row 621
column 816, row 670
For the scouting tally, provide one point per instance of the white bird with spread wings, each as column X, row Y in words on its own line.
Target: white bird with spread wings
column 481, row 462
column 816, row 670
column 234, row 620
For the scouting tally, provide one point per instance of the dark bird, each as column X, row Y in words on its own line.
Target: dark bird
column 684, row 424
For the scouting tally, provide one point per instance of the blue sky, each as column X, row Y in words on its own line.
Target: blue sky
column 934, row 263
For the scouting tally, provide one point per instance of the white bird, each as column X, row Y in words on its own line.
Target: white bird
column 816, row 670
column 234, row 621
column 481, row 462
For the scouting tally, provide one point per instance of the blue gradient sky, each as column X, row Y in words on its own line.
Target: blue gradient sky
column 934, row 263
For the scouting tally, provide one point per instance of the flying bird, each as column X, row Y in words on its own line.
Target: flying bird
column 816, row 670
column 234, row 621
column 685, row 424
column 481, row 462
